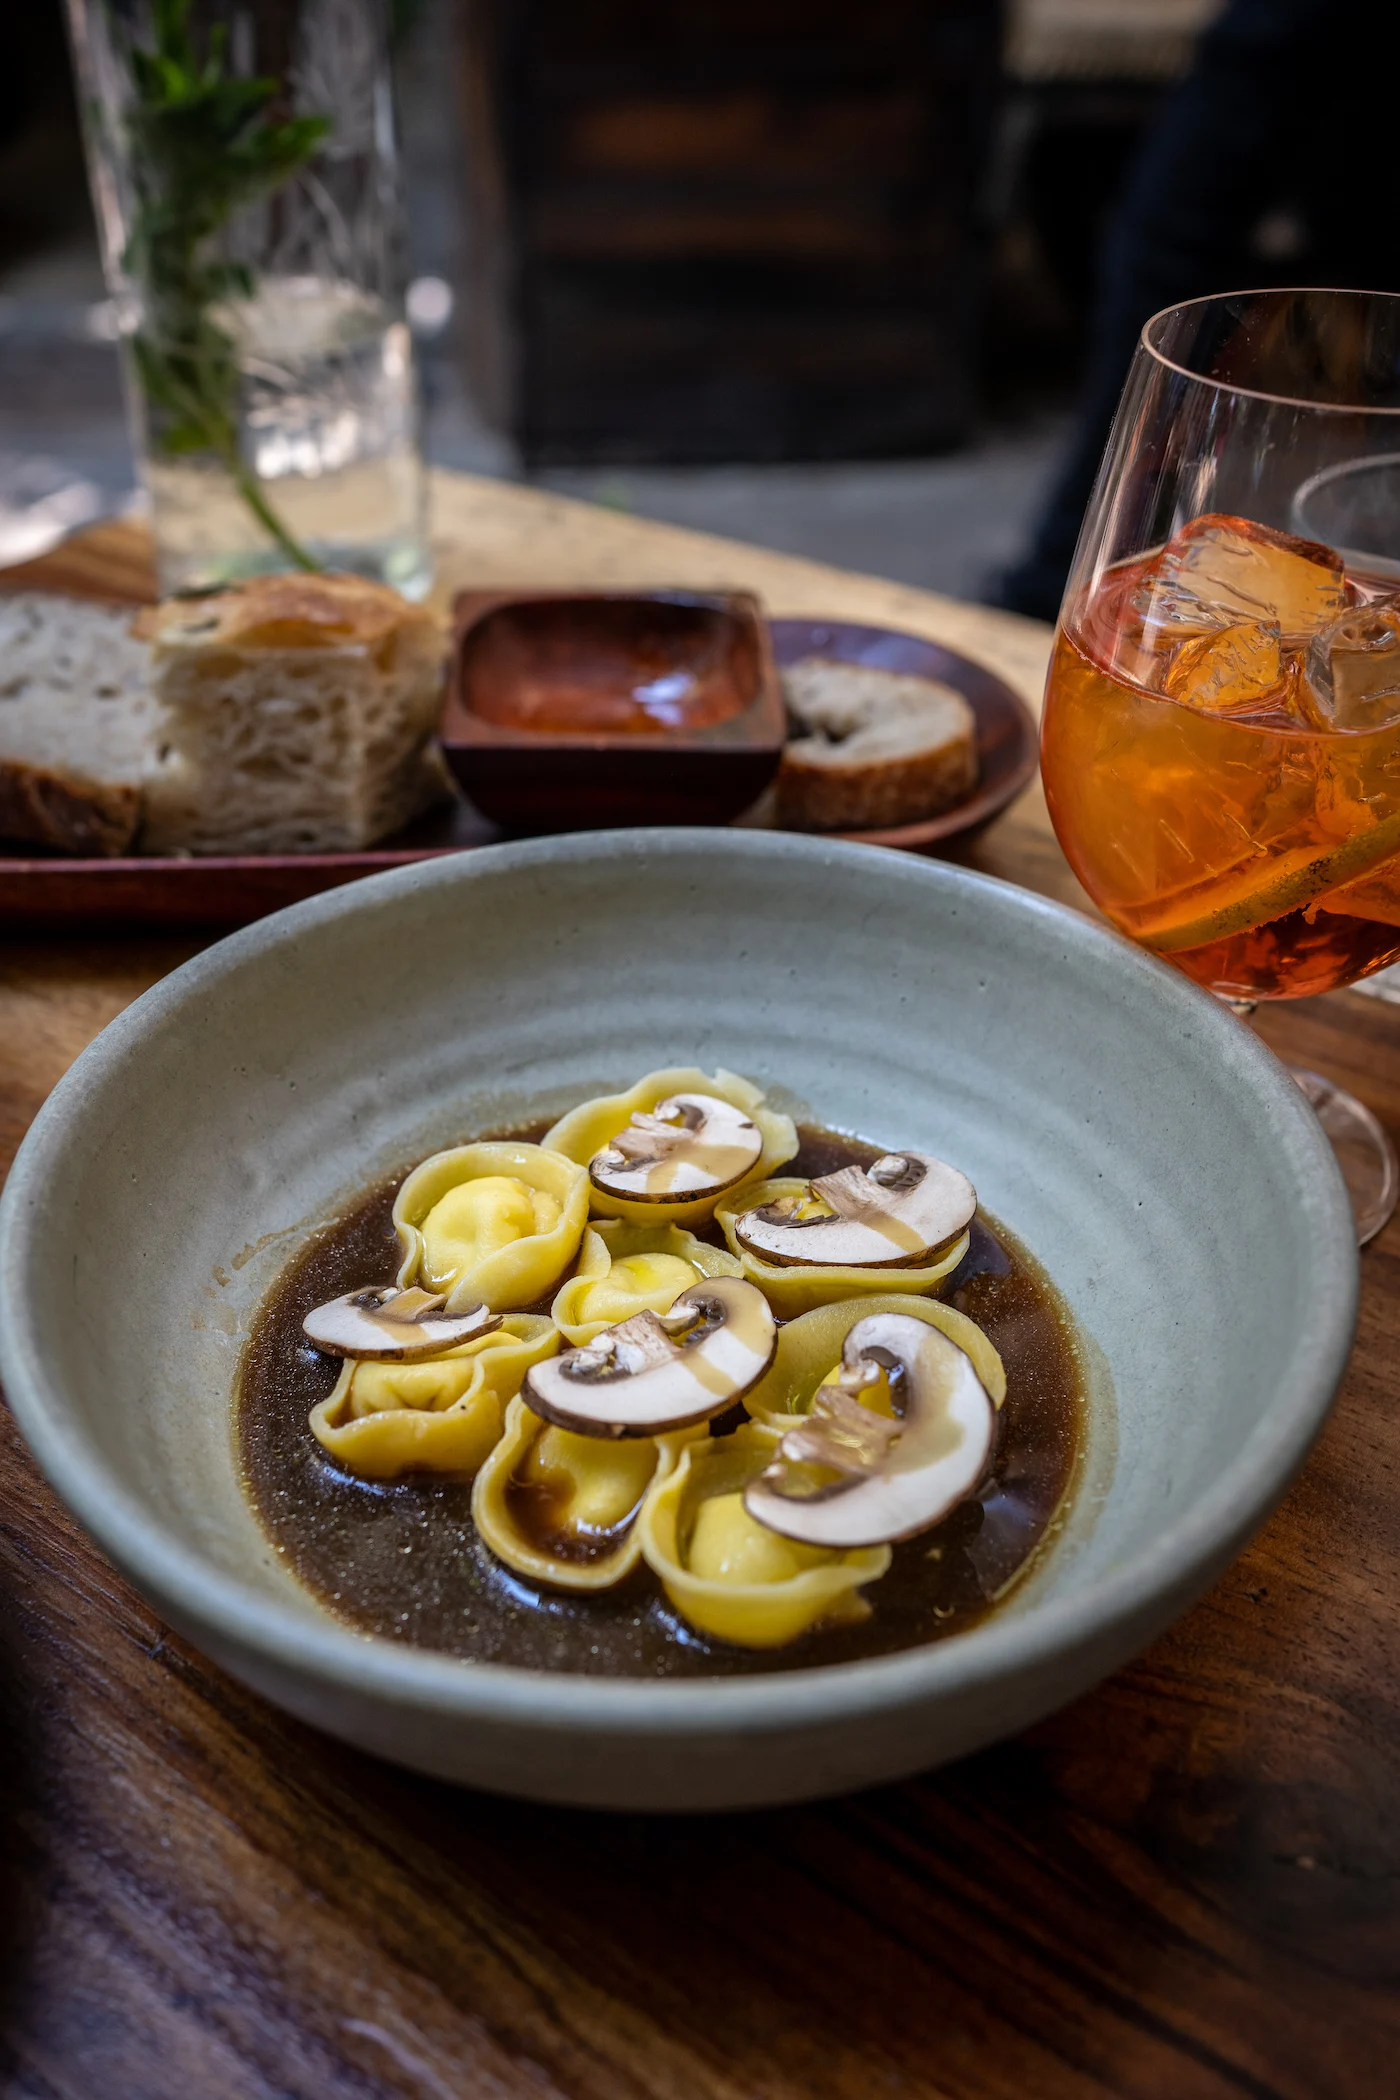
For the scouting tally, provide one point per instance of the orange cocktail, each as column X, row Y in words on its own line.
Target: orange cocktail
column 1222, row 757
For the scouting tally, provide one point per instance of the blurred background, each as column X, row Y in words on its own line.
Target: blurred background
column 854, row 281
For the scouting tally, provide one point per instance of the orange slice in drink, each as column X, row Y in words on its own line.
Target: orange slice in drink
column 1374, row 896
column 1270, row 889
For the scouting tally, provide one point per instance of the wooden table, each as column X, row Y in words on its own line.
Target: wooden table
column 1186, row 1885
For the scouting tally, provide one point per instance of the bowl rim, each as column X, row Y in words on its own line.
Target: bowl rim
column 1178, row 1561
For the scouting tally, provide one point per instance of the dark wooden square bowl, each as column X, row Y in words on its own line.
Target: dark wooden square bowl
column 571, row 711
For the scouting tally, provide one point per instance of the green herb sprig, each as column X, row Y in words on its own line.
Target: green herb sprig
column 202, row 146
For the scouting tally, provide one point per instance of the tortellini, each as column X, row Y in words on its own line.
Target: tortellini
column 809, row 1353
column 496, row 1223
column 625, row 1269
column 791, row 1291
column 505, row 1224
column 731, row 1577
column 586, row 1130
column 443, row 1414
column 563, row 1509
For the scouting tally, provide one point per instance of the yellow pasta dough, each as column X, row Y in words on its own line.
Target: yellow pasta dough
column 716, row 1569
column 562, row 1508
column 443, row 1414
column 795, row 1290
column 728, row 1545
column 586, row 1130
column 493, row 1224
column 625, row 1269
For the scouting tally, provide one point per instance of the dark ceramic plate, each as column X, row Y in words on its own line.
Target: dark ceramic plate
column 1006, row 734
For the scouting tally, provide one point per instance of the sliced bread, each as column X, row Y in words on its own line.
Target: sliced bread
column 77, row 724
column 298, row 716
column 871, row 748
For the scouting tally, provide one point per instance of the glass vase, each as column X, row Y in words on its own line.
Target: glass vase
column 246, row 180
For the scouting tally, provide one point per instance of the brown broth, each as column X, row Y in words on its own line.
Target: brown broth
column 402, row 1558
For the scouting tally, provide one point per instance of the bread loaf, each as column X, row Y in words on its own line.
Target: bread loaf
column 77, row 724
column 297, row 716
column 871, row 748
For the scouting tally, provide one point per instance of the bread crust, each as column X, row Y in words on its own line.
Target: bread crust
column 872, row 749
column 88, row 818
column 287, row 612
column 874, row 796
column 287, row 714
column 76, row 723
column 298, row 716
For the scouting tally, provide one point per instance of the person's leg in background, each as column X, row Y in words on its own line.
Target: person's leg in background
column 1281, row 118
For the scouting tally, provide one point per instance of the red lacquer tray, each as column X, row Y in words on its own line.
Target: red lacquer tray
column 38, row 889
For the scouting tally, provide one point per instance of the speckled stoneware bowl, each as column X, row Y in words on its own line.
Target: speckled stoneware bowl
column 1158, row 1161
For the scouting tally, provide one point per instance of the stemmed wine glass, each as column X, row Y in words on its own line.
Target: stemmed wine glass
column 1221, row 744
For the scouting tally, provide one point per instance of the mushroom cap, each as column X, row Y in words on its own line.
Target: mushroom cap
column 689, row 1145
column 636, row 1380
column 895, row 1476
column 385, row 1325
column 889, row 1215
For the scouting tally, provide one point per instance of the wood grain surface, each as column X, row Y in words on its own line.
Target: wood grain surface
column 1188, row 1884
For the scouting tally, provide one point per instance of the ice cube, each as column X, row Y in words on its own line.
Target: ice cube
column 1219, row 569
column 1238, row 666
column 1353, row 668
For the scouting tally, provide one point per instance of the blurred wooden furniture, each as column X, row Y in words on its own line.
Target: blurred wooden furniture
column 1185, row 1887
column 1103, row 39
column 725, row 231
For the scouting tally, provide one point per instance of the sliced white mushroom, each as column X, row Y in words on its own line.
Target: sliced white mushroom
column 846, row 1476
column 657, row 1372
column 892, row 1214
column 385, row 1325
column 687, row 1146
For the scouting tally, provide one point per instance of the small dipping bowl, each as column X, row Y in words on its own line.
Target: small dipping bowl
column 575, row 712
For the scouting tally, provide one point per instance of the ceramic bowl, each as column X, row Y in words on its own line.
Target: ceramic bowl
column 1143, row 1144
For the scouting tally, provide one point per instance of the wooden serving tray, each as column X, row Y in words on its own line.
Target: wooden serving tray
column 231, row 890
column 215, row 889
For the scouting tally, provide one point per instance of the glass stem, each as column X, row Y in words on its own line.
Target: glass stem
column 1363, row 1151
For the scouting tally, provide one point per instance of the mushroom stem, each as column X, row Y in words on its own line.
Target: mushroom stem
column 885, row 1478
column 646, row 1382
column 688, row 1146
column 893, row 1214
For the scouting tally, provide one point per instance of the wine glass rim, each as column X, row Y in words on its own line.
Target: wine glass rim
column 1255, row 393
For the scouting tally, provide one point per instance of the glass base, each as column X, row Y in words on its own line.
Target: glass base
column 363, row 519
column 1364, row 1152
